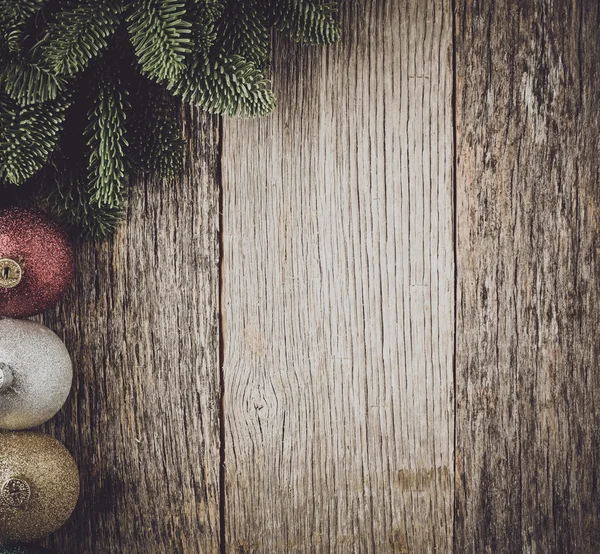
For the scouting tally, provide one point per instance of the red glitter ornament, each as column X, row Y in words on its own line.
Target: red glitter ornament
column 36, row 263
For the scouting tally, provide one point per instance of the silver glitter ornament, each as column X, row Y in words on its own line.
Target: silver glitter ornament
column 35, row 374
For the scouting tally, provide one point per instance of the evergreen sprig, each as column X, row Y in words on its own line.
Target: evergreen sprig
column 27, row 83
column 308, row 21
column 231, row 86
column 14, row 17
column 90, row 89
column 78, row 33
column 155, row 134
column 28, row 136
column 107, row 142
column 160, row 37
column 243, row 31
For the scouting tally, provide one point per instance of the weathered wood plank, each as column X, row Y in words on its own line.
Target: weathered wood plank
column 338, row 294
column 142, row 326
column 528, row 303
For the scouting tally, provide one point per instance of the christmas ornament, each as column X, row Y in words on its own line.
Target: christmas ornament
column 39, row 486
column 36, row 263
column 35, row 374
column 88, row 87
column 23, row 549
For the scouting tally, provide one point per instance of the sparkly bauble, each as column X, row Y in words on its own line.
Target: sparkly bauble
column 36, row 263
column 23, row 549
column 39, row 486
column 35, row 374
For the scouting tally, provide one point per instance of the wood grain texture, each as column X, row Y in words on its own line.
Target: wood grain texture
column 142, row 325
column 338, row 294
column 528, row 302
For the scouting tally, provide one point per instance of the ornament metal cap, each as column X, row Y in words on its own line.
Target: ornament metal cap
column 6, row 376
column 15, row 492
column 11, row 273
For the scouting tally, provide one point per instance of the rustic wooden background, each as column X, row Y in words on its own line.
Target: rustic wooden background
column 367, row 323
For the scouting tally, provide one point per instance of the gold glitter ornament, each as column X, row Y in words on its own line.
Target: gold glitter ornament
column 39, row 486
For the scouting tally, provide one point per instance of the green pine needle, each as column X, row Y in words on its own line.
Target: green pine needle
column 19, row 11
column 78, row 34
column 230, row 86
column 107, row 143
column 243, row 32
column 64, row 194
column 28, row 83
column 309, row 21
column 90, row 90
column 14, row 15
column 160, row 36
column 204, row 15
column 156, row 135
column 28, row 136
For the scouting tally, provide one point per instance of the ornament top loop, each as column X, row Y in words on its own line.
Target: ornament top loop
column 11, row 273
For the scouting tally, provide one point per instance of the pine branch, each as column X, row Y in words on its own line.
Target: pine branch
column 24, row 80
column 65, row 194
column 310, row 21
column 78, row 34
column 28, row 136
column 160, row 36
column 156, row 134
column 14, row 15
column 204, row 15
column 243, row 32
column 79, row 58
column 105, row 133
column 18, row 11
column 229, row 86
column 28, row 83
column 63, row 185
